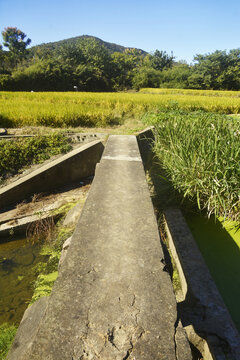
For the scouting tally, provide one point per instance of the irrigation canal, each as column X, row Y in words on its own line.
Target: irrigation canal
column 19, row 259
column 221, row 251
column 220, row 248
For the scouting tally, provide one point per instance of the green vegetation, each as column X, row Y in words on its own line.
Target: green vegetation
column 198, row 149
column 87, row 63
column 7, row 333
column 14, row 40
column 43, row 285
column 200, row 153
column 48, row 271
column 16, row 154
column 84, row 63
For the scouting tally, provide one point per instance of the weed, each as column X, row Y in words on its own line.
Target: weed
column 200, row 154
column 41, row 230
column 7, row 334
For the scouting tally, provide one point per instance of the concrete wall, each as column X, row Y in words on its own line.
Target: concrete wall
column 145, row 141
column 68, row 169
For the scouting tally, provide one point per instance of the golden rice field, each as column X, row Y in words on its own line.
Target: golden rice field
column 64, row 109
column 191, row 92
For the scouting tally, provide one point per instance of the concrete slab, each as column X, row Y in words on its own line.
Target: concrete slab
column 19, row 219
column 69, row 168
column 112, row 299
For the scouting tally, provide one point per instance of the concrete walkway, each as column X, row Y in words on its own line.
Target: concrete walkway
column 112, row 299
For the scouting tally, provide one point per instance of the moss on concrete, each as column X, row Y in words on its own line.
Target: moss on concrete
column 48, row 271
column 43, row 285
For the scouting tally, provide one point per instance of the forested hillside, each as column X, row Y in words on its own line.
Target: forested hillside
column 73, row 41
column 86, row 63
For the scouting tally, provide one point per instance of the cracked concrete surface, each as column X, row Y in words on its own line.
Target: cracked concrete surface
column 112, row 299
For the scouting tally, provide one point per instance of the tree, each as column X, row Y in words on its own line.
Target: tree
column 123, row 68
column 161, row 60
column 1, row 59
column 146, row 77
column 14, row 40
column 176, row 77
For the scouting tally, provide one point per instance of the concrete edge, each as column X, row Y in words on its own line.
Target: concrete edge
column 67, row 169
column 203, row 305
column 145, row 139
column 18, row 229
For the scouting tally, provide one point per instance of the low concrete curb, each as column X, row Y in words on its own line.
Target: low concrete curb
column 203, row 306
column 145, row 141
column 67, row 169
column 20, row 226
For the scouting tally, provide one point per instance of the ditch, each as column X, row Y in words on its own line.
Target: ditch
column 220, row 248
column 18, row 272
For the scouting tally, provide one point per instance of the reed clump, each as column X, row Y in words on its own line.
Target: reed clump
column 200, row 153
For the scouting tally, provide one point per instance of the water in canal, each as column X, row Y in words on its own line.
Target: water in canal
column 18, row 272
column 220, row 247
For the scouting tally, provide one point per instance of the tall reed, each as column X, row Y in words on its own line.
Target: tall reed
column 200, row 153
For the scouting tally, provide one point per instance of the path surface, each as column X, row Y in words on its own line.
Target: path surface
column 112, row 299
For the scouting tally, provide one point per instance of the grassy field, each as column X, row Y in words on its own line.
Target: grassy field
column 105, row 109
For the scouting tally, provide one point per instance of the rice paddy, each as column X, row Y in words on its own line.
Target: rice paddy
column 56, row 109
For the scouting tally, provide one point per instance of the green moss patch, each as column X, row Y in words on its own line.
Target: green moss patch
column 43, row 285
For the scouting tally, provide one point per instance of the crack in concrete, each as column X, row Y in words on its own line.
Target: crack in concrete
column 138, row 310
column 88, row 272
column 134, row 300
column 111, row 336
column 174, row 337
column 128, row 351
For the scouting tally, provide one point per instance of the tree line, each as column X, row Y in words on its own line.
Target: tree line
column 87, row 65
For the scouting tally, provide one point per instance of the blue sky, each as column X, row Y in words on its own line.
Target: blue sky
column 184, row 27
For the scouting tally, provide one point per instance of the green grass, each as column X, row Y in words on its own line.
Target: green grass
column 200, row 154
column 7, row 333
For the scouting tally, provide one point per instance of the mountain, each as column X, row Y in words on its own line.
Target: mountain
column 110, row 46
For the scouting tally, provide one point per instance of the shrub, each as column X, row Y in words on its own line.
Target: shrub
column 16, row 154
